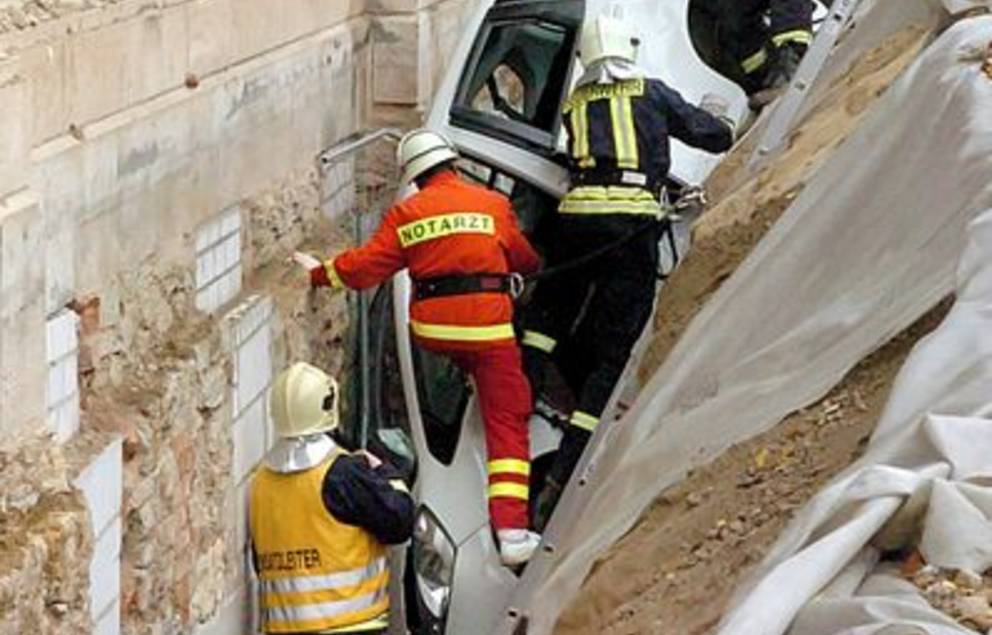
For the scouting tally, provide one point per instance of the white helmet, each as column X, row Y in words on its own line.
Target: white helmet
column 605, row 37
column 303, row 400
column 420, row 150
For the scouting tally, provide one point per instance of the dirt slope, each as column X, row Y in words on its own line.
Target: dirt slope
column 674, row 573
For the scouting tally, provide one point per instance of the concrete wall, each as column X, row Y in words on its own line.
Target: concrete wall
column 157, row 165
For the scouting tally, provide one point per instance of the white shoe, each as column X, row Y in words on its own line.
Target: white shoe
column 516, row 546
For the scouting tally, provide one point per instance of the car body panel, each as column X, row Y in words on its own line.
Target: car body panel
column 455, row 492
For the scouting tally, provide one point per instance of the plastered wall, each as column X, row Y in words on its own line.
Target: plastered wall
column 157, row 164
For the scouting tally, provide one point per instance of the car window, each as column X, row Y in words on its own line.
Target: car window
column 443, row 392
column 534, row 208
column 515, row 81
column 389, row 426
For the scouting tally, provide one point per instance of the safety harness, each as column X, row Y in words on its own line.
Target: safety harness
column 513, row 284
column 445, row 286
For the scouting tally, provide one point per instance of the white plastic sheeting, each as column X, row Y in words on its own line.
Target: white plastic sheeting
column 872, row 243
column 929, row 467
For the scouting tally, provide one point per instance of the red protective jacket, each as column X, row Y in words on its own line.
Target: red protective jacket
column 450, row 227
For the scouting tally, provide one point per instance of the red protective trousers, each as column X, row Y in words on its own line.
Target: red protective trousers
column 504, row 399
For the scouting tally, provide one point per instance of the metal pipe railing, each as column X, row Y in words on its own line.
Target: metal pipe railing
column 326, row 159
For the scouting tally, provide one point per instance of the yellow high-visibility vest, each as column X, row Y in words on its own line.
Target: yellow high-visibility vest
column 316, row 573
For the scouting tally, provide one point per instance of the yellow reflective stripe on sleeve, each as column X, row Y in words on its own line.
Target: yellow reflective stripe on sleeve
column 624, row 132
column 332, row 275
column 584, row 421
column 399, row 485
column 509, row 490
column 509, row 466
column 755, row 62
column 795, row 36
column 540, row 341
column 445, row 225
column 462, row 333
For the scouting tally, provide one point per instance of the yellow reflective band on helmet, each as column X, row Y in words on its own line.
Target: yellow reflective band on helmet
column 540, row 341
column 445, row 225
column 580, row 144
column 624, row 132
column 462, row 333
column 755, row 62
column 796, row 36
column 509, row 490
column 332, row 275
column 509, row 466
column 584, row 421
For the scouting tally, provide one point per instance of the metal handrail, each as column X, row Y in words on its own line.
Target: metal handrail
column 327, row 158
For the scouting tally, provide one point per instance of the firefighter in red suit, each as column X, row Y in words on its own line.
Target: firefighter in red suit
column 461, row 243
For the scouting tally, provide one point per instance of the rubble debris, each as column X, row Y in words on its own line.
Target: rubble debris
column 965, row 596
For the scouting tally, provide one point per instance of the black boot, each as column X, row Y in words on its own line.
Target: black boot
column 546, row 502
column 784, row 65
column 781, row 70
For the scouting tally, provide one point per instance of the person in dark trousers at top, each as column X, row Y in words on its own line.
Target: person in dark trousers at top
column 618, row 122
column 768, row 38
column 320, row 518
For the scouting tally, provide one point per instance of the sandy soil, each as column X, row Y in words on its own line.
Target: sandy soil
column 747, row 205
column 675, row 572
column 703, row 536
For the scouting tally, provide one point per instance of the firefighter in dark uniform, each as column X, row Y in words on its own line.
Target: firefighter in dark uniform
column 768, row 54
column 320, row 518
column 618, row 123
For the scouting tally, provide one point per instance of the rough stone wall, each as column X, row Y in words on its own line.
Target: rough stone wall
column 113, row 187
column 45, row 537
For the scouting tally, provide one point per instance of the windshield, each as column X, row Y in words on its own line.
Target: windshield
column 516, row 77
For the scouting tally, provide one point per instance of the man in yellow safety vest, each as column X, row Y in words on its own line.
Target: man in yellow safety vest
column 320, row 518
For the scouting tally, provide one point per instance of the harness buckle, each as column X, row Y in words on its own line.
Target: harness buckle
column 516, row 284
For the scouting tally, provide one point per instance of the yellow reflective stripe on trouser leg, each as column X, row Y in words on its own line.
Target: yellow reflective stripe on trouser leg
column 755, row 62
column 509, row 466
column 509, row 490
column 462, row 333
column 624, row 132
column 580, row 128
column 540, row 341
column 795, row 36
column 584, row 421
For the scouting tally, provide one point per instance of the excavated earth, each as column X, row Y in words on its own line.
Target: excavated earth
column 675, row 572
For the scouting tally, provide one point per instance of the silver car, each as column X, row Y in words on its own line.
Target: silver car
column 500, row 103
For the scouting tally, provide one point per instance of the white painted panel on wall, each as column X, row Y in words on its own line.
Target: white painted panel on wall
column 249, row 439
column 102, row 485
column 62, row 393
column 110, row 622
column 105, row 569
column 218, row 260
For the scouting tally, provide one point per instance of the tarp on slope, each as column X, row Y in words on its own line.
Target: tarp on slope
column 933, row 445
column 870, row 245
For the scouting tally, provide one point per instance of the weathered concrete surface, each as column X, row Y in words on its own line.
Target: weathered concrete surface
column 128, row 126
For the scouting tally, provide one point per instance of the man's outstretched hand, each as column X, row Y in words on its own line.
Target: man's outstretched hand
column 314, row 267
